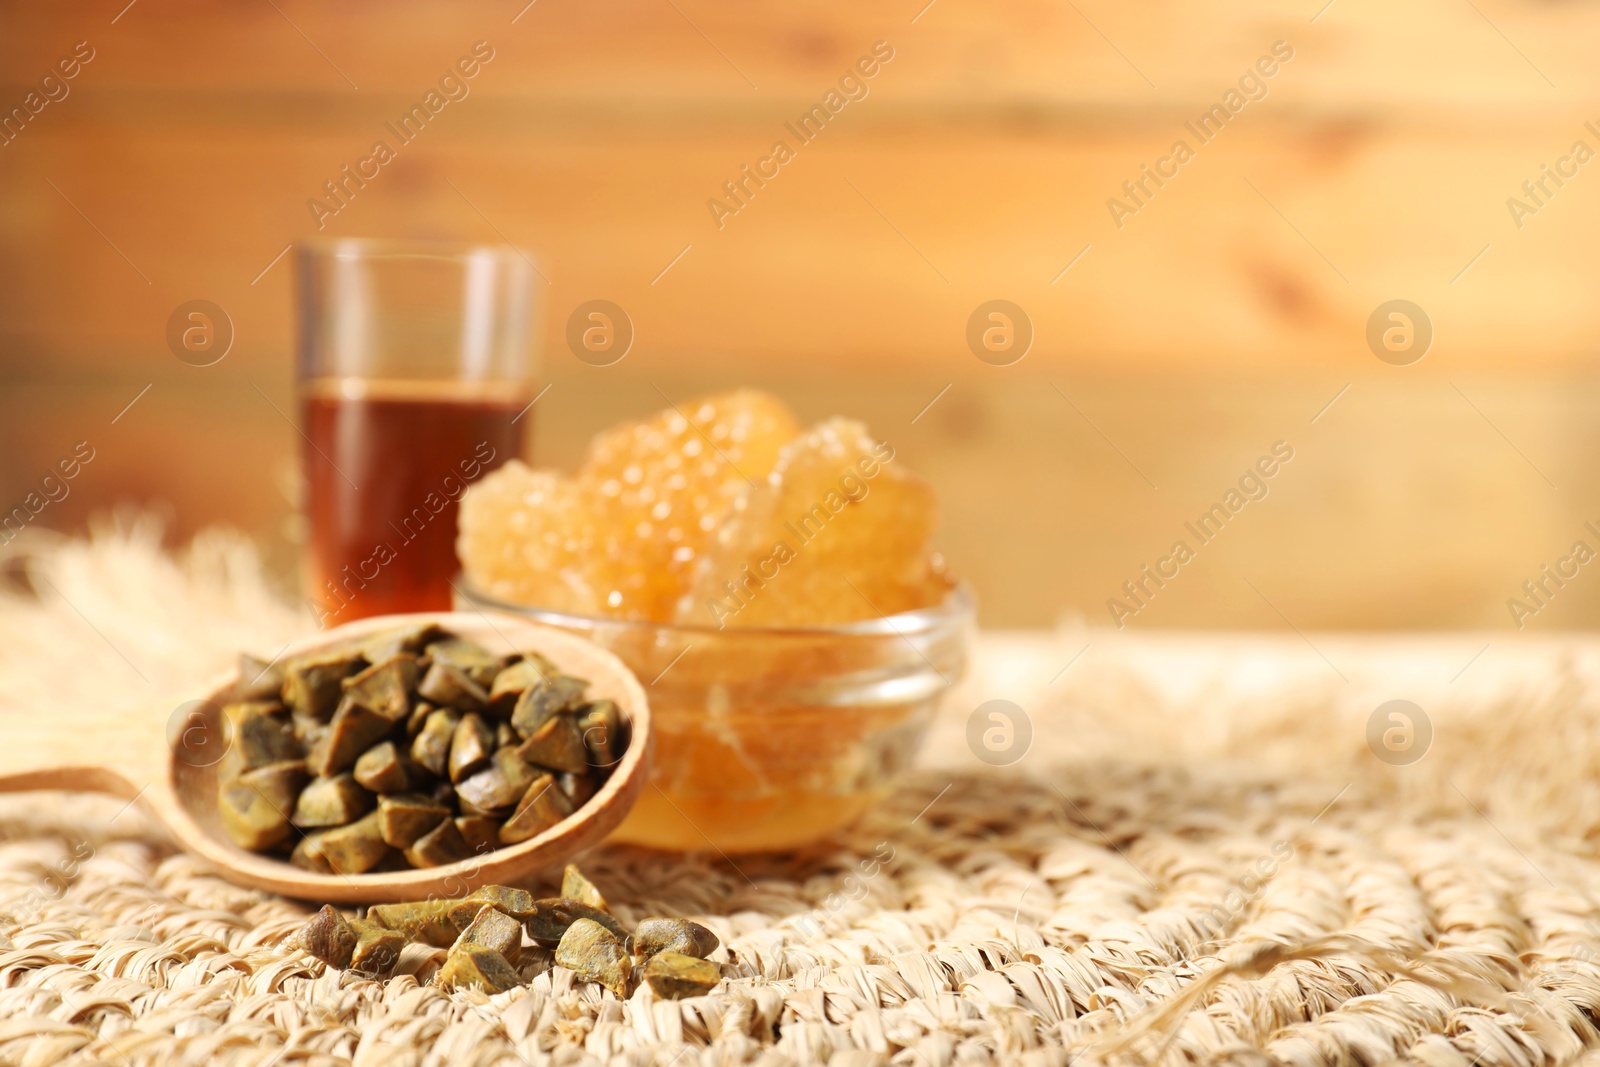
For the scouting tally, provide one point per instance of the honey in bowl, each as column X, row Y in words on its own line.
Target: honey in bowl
column 774, row 585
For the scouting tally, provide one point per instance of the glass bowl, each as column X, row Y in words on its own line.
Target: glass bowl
column 773, row 738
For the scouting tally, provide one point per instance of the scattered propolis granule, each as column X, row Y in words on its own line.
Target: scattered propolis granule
column 838, row 532
column 660, row 489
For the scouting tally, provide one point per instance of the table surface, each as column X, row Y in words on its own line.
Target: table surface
column 1201, row 849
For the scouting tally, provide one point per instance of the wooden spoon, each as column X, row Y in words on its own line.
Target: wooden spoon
column 178, row 787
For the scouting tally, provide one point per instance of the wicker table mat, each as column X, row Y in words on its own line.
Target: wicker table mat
column 1199, row 858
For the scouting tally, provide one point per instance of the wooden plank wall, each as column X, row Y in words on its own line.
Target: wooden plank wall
column 1220, row 318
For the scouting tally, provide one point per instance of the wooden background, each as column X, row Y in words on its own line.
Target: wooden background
column 1224, row 316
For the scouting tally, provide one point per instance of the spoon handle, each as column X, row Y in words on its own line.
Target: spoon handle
column 126, row 744
column 83, row 779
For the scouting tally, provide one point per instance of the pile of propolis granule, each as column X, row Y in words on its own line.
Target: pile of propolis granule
column 721, row 512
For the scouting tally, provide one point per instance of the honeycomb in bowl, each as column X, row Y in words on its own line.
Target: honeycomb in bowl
column 526, row 537
column 837, row 533
column 722, row 512
column 725, row 513
column 620, row 537
column 659, row 490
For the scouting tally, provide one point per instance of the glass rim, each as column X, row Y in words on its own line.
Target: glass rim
column 382, row 248
column 958, row 605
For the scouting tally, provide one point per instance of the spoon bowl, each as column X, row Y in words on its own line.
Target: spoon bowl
column 174, row 778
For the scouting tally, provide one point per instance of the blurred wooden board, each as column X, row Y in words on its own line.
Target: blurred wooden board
column 1268, row 251
column 1220, row 318
column 1358, row 52
column 1402, row 508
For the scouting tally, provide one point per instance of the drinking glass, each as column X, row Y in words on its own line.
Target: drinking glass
column 415, row 375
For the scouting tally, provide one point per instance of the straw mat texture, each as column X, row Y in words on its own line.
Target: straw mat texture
column 1198, row 860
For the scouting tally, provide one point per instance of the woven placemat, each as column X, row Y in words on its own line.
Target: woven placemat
column 1199, row 859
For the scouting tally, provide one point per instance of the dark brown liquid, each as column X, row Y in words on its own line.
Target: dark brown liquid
column 386, row 464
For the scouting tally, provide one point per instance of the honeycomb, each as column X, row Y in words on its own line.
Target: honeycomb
column 720, row 512
column 526, row 537
column 837, row 533
column 657, row 492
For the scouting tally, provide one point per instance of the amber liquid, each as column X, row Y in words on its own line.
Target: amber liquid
column 385, row 465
